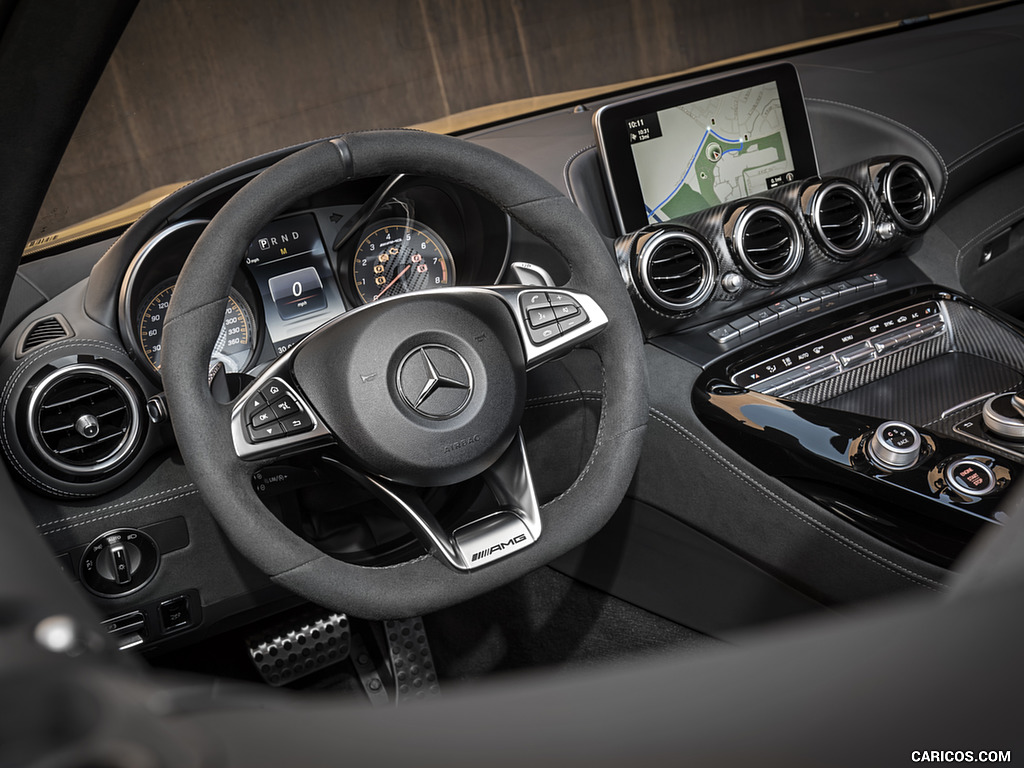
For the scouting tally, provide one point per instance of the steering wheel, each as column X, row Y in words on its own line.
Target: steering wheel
column 423, row 389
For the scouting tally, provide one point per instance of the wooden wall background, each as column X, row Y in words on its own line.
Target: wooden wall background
column 199, row 84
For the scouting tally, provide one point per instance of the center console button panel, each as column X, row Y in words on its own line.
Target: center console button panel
column 873, row 339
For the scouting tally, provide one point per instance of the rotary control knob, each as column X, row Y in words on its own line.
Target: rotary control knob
column 119, row 562
column 1002, row 417
column 895, row 445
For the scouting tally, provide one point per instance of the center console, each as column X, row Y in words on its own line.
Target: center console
column 894, row 411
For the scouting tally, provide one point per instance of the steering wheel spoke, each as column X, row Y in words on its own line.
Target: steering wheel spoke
column 515, row 525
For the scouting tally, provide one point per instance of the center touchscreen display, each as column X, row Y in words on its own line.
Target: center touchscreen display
column 679, row 152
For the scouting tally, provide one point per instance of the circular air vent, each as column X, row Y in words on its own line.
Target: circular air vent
column 83, row 420
column 840, row 217
column 907, row 194
column 766, row 240
column 676, row 269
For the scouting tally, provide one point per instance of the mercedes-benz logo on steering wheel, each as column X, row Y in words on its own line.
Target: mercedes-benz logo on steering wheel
column 435, row 381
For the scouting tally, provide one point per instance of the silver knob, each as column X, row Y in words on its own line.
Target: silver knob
column 87, row 426
column 895, row 445
column 1002, row 418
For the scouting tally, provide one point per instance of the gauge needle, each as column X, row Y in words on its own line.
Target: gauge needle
column 393, row 281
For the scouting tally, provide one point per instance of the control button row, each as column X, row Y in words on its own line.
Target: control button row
column 798, row 378
column 894, row 340
column 549, row 315
column 803, row 301
column 274, row 412
column 849, row 348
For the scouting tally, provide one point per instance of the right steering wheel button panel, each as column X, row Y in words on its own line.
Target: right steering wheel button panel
column 549, row 315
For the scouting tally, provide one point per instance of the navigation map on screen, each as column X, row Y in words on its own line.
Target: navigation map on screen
column 697, row 155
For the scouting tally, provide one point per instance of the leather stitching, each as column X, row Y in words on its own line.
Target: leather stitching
column 93, row 512
column 122, row 512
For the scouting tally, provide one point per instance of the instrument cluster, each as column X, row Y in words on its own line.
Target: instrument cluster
column 310, row 265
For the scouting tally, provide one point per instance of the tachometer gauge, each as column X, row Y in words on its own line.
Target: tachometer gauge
column 399, row 256
column 234, row 346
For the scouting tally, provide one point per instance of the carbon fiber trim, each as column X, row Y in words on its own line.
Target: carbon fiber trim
column 921, row 393
column 824, row 392
column 978, row 355
column 977, row 334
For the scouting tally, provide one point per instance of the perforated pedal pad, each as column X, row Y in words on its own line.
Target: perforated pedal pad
column 411, row 659
column 303, row 644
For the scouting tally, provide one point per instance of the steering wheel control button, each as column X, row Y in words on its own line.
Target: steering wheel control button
column 533, row 299
column 298, row 423
column 274, row 390
column 119, row 562
column 435, row 381
column 562, row 300
column 970, row 476
column 267, row 432
column 570, row 323
column 544, row 335
column 286, row 406
column 541, row 316
column 895, row 445
column 263, row 417
column 563, row 311
column 255, row 403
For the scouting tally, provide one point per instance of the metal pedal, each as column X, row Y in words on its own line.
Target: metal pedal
column 300, row 645
column 411, row 659
column 372, row 673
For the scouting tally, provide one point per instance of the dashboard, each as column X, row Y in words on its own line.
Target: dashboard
column 307, row 267
column 851, row 263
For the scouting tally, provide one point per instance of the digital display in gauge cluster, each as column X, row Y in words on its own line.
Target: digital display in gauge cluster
column 288, row 262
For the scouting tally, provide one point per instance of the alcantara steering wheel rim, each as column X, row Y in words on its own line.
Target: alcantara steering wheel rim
column 202, row 425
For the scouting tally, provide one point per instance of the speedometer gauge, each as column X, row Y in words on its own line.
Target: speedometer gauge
column 234, row 346
column 399, row 256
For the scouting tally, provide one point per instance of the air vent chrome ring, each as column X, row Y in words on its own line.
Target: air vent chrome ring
column 912, row 210
column 676, row 270
column 766, row 240
column 105, row 451
column 840, row 218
